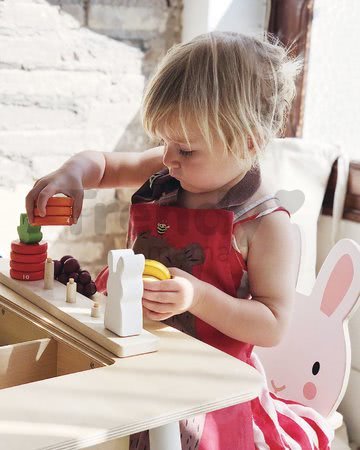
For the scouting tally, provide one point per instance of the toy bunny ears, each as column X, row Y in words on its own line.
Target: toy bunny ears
column 337, row 286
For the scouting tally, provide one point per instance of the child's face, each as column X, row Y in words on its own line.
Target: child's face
column 198, row 169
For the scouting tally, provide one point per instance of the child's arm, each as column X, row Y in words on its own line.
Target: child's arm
column 128, row 169
column 272, row 270
column 91, row 170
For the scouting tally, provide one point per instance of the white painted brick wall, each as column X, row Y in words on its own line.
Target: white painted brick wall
column 65, row 88
column 136, row 19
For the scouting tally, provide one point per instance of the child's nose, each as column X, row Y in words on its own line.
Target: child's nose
column 170, row 157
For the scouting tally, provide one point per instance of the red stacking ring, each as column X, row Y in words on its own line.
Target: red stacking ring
column 27, row 268
column 28, row 259
column 26, row 276
column 29, row 249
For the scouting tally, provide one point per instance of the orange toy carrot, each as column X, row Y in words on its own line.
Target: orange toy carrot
column 60, row 201
column 53, row 220
column 55, row 211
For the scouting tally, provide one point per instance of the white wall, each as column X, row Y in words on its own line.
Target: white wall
column 244, row 16
column 64, row 89
column 332, row 104
column 332, row 114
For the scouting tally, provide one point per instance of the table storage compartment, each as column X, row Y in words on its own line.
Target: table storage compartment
column 28, row 353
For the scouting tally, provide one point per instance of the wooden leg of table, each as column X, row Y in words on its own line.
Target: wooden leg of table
column 165, row 437
column 115, row 444
column 124, row 443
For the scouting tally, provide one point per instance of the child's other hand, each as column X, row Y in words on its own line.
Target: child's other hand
column 165, row 298
column 60, row 181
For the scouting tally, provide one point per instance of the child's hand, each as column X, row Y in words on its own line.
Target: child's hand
column 63, row 181
column 165, row 298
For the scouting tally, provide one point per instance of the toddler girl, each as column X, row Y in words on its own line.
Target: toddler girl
column 203, row 210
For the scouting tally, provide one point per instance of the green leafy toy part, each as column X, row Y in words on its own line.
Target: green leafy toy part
column 28, row 234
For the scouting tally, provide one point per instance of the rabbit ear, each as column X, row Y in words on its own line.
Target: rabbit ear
column 131, row 266
column 338, row 281
column 114, row 255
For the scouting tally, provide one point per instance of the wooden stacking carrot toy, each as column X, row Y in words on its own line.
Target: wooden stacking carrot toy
column 59, row 211
column 28, row 253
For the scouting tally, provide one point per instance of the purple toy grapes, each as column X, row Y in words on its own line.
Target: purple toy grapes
column 63, row 278
column 64, row 258
column 84, row 277
column 90, row 289
column 57, row 267
column 71, row 265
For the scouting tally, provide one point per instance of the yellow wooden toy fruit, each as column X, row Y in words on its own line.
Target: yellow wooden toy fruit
column 155, row 270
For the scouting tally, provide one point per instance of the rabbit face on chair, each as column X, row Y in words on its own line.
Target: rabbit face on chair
column 311, row 365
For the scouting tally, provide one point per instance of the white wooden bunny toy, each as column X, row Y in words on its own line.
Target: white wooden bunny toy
column 311, row 365
column 123, row 311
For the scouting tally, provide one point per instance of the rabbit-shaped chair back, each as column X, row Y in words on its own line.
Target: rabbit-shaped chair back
column 311, row 365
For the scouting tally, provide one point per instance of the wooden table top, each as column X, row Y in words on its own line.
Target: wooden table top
column 184, row 378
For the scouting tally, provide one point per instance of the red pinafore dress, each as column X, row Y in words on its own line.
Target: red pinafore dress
column 201, row 242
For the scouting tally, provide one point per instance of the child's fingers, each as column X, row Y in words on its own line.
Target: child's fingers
column 31, row 197
column 164, row 308
column 152, row 315
column 78, row 197
column 161, row 285
column 160, row 296
column 43, row 198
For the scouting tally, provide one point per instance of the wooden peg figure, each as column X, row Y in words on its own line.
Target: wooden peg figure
column 49, row 274
column 95, row 310
column 71, row 291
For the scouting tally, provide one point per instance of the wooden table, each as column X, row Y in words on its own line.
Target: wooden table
column 126, row 395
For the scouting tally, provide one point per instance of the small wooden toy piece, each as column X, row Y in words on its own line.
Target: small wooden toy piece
column 25, row 267
column 123, row 311
column 26, row 276
column 33, row 249
column 28, row 234
column 49, row 274
column 27, row 261
column 71, row 291
column 58, row 211
column 95, row 310
column 55, row 211
column 60, row 201
column 155, row 270
column 53, row 220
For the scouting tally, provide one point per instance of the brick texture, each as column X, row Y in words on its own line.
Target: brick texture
column 72, row 73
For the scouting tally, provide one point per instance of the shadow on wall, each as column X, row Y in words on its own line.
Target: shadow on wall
column 152, row 27
column 75, row 89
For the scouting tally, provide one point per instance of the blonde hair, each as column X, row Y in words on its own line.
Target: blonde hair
column 233, row 87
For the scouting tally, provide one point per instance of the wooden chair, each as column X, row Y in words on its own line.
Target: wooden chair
column 312, row 363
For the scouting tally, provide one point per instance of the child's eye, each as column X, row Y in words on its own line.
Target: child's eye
column 185, row 153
